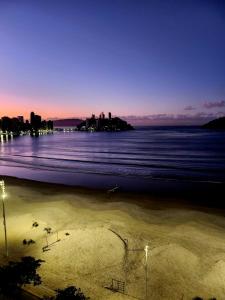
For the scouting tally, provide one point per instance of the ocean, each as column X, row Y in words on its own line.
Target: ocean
column 138, row 160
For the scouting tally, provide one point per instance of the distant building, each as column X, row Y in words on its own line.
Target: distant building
column 32, row 118
column 16, row 126
column 102, row 115
column 6, row 124
column 35, row 121
column 104, row 124
column 21, row 119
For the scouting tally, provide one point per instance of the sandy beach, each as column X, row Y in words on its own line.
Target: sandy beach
column 98, row 237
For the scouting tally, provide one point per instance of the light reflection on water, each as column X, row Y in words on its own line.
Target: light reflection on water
column 180, row 153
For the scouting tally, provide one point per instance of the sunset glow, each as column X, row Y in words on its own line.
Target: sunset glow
column 121, row 57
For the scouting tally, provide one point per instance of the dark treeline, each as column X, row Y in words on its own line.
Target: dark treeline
column 15, row 275
column 218, row 124
column 18, row 126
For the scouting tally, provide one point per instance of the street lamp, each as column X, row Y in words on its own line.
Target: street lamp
column 146, row 271
column 2, row 185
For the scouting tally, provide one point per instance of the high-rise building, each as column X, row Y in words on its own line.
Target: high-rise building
column 20, row 118
column 32, row 118
column 35, row 121
column 38, row 120
column 110, row 116
column 102, row 115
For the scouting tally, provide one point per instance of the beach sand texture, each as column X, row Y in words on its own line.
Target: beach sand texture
column 186, row 244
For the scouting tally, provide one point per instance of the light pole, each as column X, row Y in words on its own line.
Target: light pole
column 2, row 185
column 146, row 271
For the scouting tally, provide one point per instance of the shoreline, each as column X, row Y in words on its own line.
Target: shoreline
column 201, row 199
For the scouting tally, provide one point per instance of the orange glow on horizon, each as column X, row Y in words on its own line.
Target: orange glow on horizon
column 14, row 106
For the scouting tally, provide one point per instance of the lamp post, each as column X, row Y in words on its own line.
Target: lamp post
column 146, row 271
column 2, row 185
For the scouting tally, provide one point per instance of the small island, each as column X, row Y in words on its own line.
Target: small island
column 104, row 124
column 218, row 124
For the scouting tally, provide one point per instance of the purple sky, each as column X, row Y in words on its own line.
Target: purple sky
column 154, row 62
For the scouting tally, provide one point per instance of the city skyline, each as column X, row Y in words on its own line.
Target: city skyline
column 150, row 62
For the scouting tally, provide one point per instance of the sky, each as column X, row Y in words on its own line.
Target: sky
column 152, row 62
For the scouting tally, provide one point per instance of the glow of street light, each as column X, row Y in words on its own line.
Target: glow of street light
column 146, row 271
column 2, row 184
column 146, row 252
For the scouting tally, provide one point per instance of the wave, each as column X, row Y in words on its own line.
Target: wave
column 195, row 168
column 141, row 155
column 149, row 171
column 116, row 174
column 130, row 158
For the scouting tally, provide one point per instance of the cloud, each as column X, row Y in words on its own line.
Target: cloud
column 189, row 107
column 173, row 119
column 214, row 104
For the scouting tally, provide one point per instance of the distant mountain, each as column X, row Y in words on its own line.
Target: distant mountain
column 216, row 124
column 67, row 122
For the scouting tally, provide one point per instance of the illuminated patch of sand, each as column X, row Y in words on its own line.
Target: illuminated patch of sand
column 186, row 255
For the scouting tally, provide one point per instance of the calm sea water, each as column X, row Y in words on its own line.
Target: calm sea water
column 132, row 159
